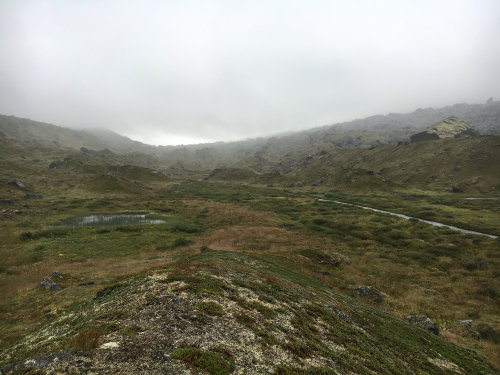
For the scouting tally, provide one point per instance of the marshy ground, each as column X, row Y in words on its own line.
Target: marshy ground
column 247, row 279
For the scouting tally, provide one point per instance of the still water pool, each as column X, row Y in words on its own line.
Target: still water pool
column 121, row 219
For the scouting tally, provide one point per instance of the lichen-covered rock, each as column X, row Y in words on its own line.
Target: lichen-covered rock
column 424, row 322
column 48, row 284
column 451, row 127
column 370, row 292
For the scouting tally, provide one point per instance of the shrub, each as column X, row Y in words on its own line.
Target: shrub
column 181, row 242
column 26, row 236
column 488, row 291
column 85, row 340
column 186, row 228
column 214, row 362
column 211, row 308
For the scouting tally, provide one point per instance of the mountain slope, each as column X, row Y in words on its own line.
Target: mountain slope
column 374, row 130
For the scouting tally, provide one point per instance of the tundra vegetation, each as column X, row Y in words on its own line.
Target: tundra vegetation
column 241, row 276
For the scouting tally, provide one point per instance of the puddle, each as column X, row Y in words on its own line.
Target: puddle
column 123, row 219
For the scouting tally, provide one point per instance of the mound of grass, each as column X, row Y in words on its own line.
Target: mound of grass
column 214, row 362
column 210, row 308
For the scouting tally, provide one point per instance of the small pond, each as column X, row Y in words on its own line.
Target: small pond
column 121, row 219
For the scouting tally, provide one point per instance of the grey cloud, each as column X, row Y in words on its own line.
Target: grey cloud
column 223, row 70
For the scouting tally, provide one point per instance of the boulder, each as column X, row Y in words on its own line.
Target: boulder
column 56, row 164
column 48, row 284
column 318, row 182
column 370, row 292
column 424, row 322
column 16, row 183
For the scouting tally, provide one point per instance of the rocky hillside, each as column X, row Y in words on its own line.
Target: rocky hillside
column 452, row 164
column 451, row 127
column 260, row 153
column 229, row 313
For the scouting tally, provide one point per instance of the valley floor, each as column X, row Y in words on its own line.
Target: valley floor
column 239, row 273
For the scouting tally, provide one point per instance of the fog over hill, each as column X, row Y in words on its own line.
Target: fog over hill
column 374, row 130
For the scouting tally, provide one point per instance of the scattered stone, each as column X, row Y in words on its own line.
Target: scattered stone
column 43, row 361
column 57, row 274
column 56, row 164
column 50, row 315
column 445, row 364
column 424, row 322
column 48, row 284
column 33, row 196
column 340, row 313
column 17, row 183
column 370, row 292
column 110, row 345
column 105, row 291
column 431, row 179
column 467, row 322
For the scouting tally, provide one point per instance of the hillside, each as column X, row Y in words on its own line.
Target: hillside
column 261, row 152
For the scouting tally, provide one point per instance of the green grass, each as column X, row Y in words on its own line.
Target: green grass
column 210, row 308
column 421, row 269
column 213, row 362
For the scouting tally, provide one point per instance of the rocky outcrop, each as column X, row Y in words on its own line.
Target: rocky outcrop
column 370, row 292
column 48, row 284
column 424, row 322
column 451, row 127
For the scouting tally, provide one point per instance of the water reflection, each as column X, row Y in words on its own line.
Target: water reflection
column 123, row 219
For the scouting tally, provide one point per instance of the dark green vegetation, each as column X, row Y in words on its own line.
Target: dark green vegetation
column 248, row 273
column 214, row 361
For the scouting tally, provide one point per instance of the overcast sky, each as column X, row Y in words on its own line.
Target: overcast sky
column 170, row 72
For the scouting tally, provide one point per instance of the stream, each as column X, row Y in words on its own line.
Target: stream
column 435, row 223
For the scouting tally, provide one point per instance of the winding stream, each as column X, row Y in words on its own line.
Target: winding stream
column 435, row 223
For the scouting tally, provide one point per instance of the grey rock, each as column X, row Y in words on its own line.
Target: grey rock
column 17, row 183
column 339, row 312
column 57, row 275
column 370, row 292
column 48, row 284
column 33, row 196
column 465, row 322
column 318, row 182
column 56, row 164
column 43, row 361
column 424, row 322
column 431, row 179
column 451, row 127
